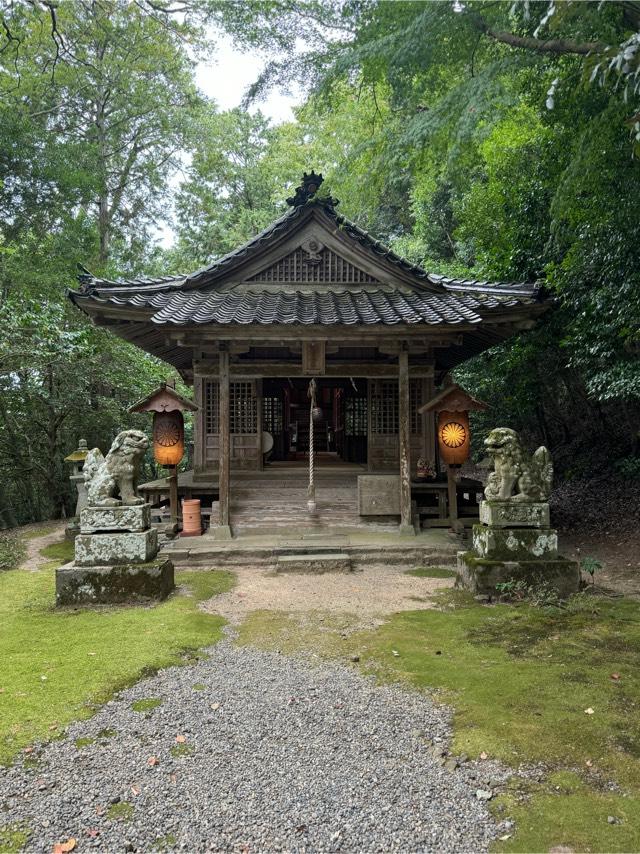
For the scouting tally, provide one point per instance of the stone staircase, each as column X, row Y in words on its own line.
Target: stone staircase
column 279, row 506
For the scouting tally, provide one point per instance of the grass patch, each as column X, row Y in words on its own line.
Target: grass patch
column 199, row 687
column 163, row 843
column 108, row 733
column 83, row 742
column 86, row 655
column 122, row 811
column 181, row 750
column 61, row 552
column 431, row 572
column 146, row 705
column 13, row 838
column 520, row 680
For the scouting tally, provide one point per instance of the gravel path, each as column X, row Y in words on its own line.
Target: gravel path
column 277, row 755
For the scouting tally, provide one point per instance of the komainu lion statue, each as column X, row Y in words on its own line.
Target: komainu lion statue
column 117, row 475
column 529, row 477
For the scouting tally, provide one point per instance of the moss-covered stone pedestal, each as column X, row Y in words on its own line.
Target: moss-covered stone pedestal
column 96, row 585
column 115, row 559
column 514, row 542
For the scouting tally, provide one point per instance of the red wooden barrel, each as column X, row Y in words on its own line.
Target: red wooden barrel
column 191, row 518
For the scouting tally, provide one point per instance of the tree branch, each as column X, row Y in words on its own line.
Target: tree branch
column 557, row 46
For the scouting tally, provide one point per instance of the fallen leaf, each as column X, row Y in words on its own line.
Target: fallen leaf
column 92, row 653
column 215, row 706
column 92, row 832
column 53, row 726
column 505, row 837
column 589, row 763
column 180, row 739
column 100, row 810
column 43, row 678
column 615, row 676
column 64, row 847
column 28, row 750
column 152, row 761
column 484, row 755
column 135, row 790
column 589, row 711
column 395, row 652
column 173, row 778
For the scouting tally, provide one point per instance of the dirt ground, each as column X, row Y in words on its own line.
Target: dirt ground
column 618, row 553
column 370, row 594
column 37, row 536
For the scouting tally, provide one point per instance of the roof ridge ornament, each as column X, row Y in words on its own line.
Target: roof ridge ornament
column 308, row 191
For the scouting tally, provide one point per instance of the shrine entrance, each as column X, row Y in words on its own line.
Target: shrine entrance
column 340, row 425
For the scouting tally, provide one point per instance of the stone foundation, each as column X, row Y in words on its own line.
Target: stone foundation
column 514, row 543
column 481, row 575
column 116, row 548
column 515, row 514
column 76, row 585
column 126, row 518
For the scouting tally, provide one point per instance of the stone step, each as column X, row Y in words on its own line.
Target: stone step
column 315, row 562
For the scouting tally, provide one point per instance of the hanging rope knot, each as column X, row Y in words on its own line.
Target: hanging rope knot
column 311, row 492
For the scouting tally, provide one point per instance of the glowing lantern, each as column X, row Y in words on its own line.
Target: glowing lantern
column 454, row 436
column 168, row 437
column 168, row 423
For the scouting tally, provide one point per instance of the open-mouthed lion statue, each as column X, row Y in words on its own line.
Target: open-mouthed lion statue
column 532, row 477
column 117, row 475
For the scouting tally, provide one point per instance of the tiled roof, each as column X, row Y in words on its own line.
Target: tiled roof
column 343, row 308
column 198, row 298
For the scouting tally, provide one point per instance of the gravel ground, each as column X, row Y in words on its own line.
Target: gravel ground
column 277, row 755
column 373, row 592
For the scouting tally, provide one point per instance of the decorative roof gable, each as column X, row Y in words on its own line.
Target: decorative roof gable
column 313, row 263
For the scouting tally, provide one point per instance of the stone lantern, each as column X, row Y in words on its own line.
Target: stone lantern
column 76, row 460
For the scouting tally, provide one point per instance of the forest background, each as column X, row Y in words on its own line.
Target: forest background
column 495, row 140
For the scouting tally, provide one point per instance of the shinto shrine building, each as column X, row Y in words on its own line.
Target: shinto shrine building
column 311, row 296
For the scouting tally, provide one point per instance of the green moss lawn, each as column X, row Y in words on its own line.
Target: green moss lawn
column 58, row 665
column 557, row 687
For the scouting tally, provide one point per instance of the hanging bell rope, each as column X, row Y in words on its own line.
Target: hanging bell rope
column 311, row 492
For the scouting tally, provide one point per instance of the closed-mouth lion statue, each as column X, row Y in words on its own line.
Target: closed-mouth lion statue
column 117, row 475
column 514, row 468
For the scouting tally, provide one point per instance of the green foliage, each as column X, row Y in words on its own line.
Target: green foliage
column 590, row 565
column 12, row 551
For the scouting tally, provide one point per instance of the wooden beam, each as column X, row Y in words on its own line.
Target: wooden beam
column 333, row 369
column 406, row 526
column 376, row 334
column 223, row 531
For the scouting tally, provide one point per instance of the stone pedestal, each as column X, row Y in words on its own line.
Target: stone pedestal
column 515, row 542
column 95, row 520
column 115, row 559
column 111, row 584
column 116, row 548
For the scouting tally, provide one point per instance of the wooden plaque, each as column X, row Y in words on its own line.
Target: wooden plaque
column 313, row 358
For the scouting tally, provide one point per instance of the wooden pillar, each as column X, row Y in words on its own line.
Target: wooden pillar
column 429, row 450
column 259, row 422
column 369, row 422
column 453, row 497
column 406, row 526
column 223, row 530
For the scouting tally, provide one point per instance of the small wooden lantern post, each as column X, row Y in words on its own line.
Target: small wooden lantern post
column 453, row 405
column 168, row 434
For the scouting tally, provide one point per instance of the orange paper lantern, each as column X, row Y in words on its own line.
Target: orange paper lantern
column 454, row 437
column 168, row 437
